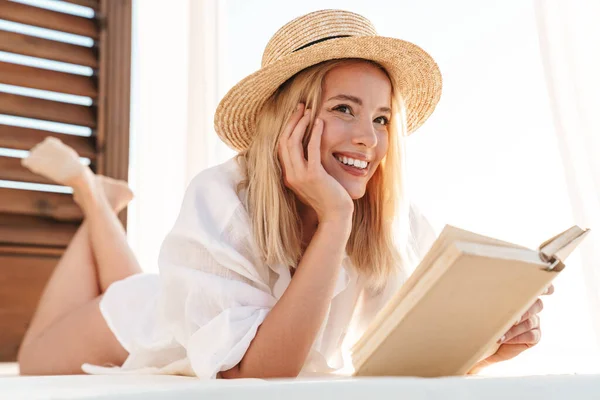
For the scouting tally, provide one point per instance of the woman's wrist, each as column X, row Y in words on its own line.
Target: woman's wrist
column 340, row 226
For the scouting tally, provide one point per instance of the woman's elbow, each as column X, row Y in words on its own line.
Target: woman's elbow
column 233, row 373
column 238, row 372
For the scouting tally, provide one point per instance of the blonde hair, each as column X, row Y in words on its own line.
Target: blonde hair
column 375, row 239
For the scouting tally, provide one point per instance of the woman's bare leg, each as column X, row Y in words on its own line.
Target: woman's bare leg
column 68, row 328
column 61, row 295
column 114, row 258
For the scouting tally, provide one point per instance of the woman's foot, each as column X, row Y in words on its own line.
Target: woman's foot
column 54, row 160
column 117, row 192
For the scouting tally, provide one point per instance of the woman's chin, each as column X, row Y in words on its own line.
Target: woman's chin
column 355, row 192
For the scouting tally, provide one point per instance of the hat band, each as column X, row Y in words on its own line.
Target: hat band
column 319, row 41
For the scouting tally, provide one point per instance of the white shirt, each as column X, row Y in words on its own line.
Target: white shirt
column 198, row 316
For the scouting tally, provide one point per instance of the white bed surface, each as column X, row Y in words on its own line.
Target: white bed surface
column 8, row 369
column 150, row 387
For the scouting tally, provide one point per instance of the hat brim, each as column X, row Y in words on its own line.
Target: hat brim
column 415, row 73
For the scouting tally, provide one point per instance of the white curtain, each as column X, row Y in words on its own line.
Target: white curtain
column 569, row 35
column 175, row 90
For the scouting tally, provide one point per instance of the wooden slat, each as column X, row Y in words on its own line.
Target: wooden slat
column 14, row 137
column 57, row 206
column 22, row 281
column 29, row 107
column 93, row 4
column 43, row 79
column 19, row 250
column 36, row 16
column 49, row 49
column 35, row 231
column 114, row 104
column 12, row 170
column 102, row 73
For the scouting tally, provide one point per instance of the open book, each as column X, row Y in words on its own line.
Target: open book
column 464, row 295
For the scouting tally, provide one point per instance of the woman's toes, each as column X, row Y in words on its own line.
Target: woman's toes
column 117, row 192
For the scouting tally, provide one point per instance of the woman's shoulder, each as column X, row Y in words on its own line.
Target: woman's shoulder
column 224, row 177
column 212, row 232
column 212, row 197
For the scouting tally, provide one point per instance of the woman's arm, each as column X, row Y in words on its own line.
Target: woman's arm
column 285, row 337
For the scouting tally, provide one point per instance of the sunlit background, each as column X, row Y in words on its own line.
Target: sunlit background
column 492, row 158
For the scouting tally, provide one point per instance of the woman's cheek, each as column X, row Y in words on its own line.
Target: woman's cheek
column 336, row 130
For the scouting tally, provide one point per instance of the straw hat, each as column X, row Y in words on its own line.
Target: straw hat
column 321, row 36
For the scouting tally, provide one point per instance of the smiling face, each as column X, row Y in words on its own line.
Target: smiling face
column 355, row 109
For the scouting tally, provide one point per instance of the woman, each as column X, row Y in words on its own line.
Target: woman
column 279, row 257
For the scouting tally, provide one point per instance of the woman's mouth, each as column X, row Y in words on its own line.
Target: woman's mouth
column 353, row 166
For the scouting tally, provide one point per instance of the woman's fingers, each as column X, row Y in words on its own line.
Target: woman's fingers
column 535, row 309
column 519, row 332
column 529, row 321
column 529, row 338
column 314, row 145
column 284, row 160
column 523, row 335
column 549, row 290
column 292, row 121
column 283, row 149
column 294, row 143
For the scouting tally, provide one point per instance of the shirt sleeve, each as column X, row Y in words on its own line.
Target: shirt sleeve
column 215, row 294
column 422, row 234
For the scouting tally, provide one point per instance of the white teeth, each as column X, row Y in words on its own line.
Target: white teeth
column 351, row 161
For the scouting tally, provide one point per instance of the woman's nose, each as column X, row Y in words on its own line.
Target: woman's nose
column 365, row 135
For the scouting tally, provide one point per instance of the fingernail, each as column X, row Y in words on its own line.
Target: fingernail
column 517, row 323
column 298, row 106
column 547, row 290
column 502, row 339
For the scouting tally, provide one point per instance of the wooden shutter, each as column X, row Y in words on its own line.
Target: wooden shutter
column 37, row 223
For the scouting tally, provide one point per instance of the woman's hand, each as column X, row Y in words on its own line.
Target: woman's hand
column 307, row 178
column 523, row 335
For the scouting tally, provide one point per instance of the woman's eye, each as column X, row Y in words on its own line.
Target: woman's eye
column 382, row 120
column 343, row 108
